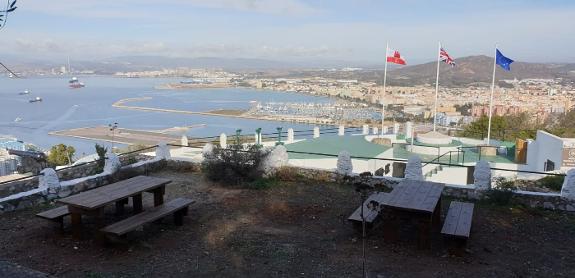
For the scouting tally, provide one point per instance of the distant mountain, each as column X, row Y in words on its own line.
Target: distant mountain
column 473, row 69
column 155, row 62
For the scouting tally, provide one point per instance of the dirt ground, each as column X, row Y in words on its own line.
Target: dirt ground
column 289, row 230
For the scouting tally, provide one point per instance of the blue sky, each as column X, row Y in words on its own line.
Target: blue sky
column 291, row 30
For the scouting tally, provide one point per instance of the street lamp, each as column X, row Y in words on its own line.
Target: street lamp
column 279, row 142
column 113, row 128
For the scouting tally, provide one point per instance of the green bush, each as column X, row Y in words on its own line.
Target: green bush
column 61, row 155
column 502, row 192
column 235, row 164
column 552, row 182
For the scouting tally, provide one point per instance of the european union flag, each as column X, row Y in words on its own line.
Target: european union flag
column 503, row 61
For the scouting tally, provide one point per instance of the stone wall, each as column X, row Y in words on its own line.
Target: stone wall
column 70, row 187
column 64, row 174
column 551, row 201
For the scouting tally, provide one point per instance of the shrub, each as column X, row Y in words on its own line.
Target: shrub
column 502, row 192
column 235, row 164
column 552, row 182
column 61, row 155
column 101, row 151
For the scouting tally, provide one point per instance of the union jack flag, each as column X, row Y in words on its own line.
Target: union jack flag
column 443, row 56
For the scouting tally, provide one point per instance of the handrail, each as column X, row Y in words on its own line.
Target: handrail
column 439, row 157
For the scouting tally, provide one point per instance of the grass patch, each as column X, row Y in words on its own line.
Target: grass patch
column 552, row 182
column 263, row 183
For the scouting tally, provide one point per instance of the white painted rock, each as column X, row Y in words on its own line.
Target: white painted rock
column 568, row 189
column 365, row 130
column 290, row 138
column 185, row 141
column 49, row 181
column 223, row 140
column 112, row 163
column 395, row 128
column 414, row 169
column 344, row 165
column 482, row 175
column 277, row 158
column 163, row 152
column 208, row 151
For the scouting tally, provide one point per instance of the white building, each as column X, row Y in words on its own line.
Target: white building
column 550, row 153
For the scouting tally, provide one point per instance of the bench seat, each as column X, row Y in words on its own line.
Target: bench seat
column 55, row 214
column 370, row 215
column 177, row 206
column 457, row 225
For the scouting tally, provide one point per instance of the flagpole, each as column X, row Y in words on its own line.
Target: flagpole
column 436, row 87
column 491, row 97
column 384, row 83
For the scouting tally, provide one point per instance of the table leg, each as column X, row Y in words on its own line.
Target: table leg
column 159, row 196
column 120, row 206
column 76, row 222
column 436, row 224
column 137, row 201
column 424, row 241
column 391, row 227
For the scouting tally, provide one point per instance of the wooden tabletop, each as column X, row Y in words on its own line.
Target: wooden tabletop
column 413, row 195
column 101, row 196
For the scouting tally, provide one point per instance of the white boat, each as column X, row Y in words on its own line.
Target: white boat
column 17, row 120
column 26, row 92
column 36, row 99
column 74, row 83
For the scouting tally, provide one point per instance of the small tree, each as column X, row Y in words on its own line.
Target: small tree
column 61, row 155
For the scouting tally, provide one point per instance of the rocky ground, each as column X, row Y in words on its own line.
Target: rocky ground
column 292, row 229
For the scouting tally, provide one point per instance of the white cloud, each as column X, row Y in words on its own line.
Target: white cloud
column 151, row 8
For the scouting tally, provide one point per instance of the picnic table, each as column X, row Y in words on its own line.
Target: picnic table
column 415, row 200
column 92, row 202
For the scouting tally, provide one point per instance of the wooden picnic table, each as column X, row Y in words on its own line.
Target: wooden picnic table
column 417, row 200
column 93, row 202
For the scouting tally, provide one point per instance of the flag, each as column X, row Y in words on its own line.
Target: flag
column 502, row 61
column 443, row 56
column 396, row 58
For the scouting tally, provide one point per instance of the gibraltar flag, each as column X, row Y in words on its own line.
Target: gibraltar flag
column 396, row 58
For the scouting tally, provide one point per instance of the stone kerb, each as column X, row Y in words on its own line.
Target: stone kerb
column 482, row 175
column 568, row 188
column 414, row 169
column 290, row 136
column 344, row 164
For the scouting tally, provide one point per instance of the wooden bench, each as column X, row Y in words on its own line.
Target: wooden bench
column 55, row 214
column 457, row 226
column 370, row 215
column 179, row 207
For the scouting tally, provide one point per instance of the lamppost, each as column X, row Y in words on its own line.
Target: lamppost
column 279, row 142
column 238, row 139
column 113, row 128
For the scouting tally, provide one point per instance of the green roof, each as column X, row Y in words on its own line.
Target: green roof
column 355, row 145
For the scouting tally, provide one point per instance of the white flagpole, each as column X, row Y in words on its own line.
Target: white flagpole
column 436, row 87
column 491, row 97
column 384, row 83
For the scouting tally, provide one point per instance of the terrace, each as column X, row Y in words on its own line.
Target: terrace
column 292, row 228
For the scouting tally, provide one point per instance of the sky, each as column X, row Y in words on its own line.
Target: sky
column 291, row 30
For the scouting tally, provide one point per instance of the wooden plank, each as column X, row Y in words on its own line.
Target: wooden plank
column 465, row 218
column 114, row 192
column 130, row 224
column 450, row 222
column 370, row 215
column 418, row 196
column 54, row 213
column 458, row 219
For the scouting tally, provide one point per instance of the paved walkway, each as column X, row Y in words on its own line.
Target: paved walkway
column 12, row 270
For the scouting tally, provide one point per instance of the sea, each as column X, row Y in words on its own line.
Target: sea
column 64, row 108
